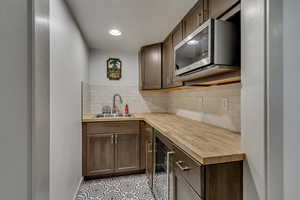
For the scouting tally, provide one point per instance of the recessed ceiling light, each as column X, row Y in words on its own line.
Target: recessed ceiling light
column 193, row 42
column 115, row 32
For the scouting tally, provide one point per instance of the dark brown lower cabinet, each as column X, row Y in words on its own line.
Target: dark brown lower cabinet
column 224, row 181
column 143, row 150
column 107, row 153
column 127, row 152
column 100, row 154
column 193, row 181
column 147, row 150
column 110, row 148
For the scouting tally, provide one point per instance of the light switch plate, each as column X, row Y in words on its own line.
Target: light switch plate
column 201, row 102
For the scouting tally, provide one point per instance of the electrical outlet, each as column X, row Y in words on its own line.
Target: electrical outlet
column 201, row 102
column 225, row 104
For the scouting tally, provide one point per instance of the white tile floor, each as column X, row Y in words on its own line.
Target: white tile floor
column 133, row 187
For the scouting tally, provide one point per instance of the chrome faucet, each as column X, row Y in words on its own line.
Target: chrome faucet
column 115, row 109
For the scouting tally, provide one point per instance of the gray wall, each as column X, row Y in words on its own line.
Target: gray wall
column 291, row 100
column 40, row 102
column 253, row 99
column 15, row 100
column 68, row 67
column 274, row 101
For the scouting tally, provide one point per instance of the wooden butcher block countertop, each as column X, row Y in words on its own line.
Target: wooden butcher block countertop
column 205, row 143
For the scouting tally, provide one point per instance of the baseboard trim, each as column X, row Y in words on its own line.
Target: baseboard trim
column 78, row 187
column 114, row 174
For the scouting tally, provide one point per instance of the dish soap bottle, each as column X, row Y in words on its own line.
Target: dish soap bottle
column 126, row 109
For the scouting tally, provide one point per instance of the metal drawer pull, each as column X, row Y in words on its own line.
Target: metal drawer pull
column 179, row 164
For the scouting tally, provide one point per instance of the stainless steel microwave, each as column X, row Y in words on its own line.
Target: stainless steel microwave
column 208, row 50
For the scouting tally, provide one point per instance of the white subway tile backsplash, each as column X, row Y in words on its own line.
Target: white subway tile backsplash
column 202, row 104
column 206, row 105
column 101, row 95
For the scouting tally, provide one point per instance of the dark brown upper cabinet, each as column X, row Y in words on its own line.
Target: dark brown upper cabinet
column 177, row 34
column 205, row 10
column 157, row 61
column 168, row 62
column 194, row 18
column 167, row 48
column 151, row 67
column 219, row 7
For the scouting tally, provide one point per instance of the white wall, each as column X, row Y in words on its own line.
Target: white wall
column 291, row 99
column 97, row 68
column 102, row 90
column 69, row 62
column 15, row 101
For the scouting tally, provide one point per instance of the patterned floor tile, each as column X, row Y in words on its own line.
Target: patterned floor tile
column 133, row 187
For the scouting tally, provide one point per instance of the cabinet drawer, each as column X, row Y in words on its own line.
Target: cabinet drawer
column 183, row 191
column 113, row 127
column 192, row 171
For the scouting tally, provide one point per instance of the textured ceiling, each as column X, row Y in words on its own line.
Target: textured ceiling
column 141, row 21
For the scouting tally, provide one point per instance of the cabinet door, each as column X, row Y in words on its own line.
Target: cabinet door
column 147, row 133
column 167, row 48
column 143, row 149
column 169, row 64
column 219, row 7
column 205, row 10
column 177, row 35
column 151, row 66
column 183, row 190
column 127, row 152
column 100, row 154
column 193, row 19
column 146, row 137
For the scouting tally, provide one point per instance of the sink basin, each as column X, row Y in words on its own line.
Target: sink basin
column 113, row 115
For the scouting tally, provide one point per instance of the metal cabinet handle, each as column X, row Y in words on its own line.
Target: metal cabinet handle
column 116, row 139
column 112, row 139
column 179, row 164
column 149, row 145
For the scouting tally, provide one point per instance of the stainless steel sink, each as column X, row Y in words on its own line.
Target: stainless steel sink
column 112, row 115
